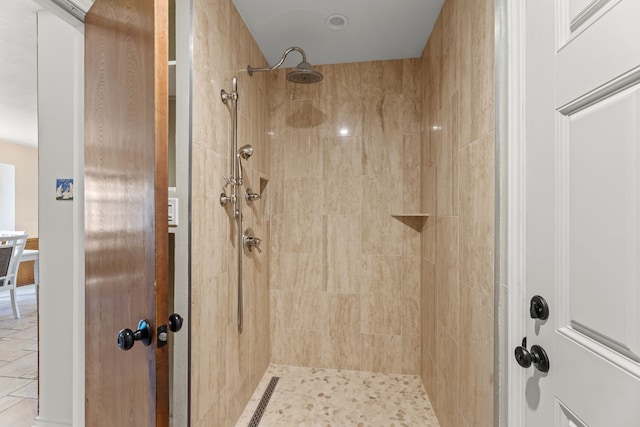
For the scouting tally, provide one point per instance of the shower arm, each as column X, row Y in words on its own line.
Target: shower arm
column 279, row 64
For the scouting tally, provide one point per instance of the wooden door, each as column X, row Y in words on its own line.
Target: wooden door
column 583, row 210
column 126, row 210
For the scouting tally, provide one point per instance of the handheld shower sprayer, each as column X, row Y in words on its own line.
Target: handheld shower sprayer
column 244, row 152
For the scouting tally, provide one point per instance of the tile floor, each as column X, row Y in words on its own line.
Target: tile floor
column 303, row 397
column 312, row 397
column 18, row 360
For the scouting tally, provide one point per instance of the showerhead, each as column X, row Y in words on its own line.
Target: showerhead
column 302, row 73
column 245, row 151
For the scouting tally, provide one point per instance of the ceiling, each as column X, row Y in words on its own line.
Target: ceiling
column 375, row 30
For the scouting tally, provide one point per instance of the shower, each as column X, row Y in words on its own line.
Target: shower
column 301, row 73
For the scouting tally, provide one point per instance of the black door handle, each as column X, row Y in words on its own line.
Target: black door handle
column 175, row 324
column 537, row 356
column 539, row 308
column 127, row 338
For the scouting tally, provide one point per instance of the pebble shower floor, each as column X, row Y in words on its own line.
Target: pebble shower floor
column 313, row 397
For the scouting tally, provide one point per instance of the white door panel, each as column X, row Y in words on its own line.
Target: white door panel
column 598, row 207
column 583, row 210
column 594, row 385
column 586, row 59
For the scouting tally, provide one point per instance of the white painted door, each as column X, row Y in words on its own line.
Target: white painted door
column 583, row 210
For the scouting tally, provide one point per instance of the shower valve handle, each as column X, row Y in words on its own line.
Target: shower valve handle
column 251, row 197
column 250, row 241
column 254, row 242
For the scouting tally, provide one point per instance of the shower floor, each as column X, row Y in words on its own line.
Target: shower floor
column 335, row 398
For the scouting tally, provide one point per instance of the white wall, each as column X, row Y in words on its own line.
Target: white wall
column 7, row 197
column 25, row 160
column 61, row 225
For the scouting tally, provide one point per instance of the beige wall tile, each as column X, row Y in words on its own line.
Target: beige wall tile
column 476, row 68
column 302, row 272
column 381, row 77
column 344, row 117
column 412, row 76
column 411, row 173
column 475, row 380
column 428, row 317
column 429, row 239
column 447, row 274
column 457, row 186
column 344, row 214
column 303, row 155
column 450, row 51
column 381, row 233
column 303, row 215
column 341, row 336
column 381, row 353
column 428, row 376
column 209, row 302
column 411, row 271
column 447, row 359
column 297, row 347
column 344, row 82
column 477, row 214
column 382, row 144
column 433, row 51
column 342, row 156
column 429, row 190
column 342, row 194
column 411, row 348
column 381, row 300
column 276, row 255
column 343, row 266
column 447, row 160
column 276, row 178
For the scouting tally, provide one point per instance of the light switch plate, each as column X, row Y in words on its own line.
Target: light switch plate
column 173, row 212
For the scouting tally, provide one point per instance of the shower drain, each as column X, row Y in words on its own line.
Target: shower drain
column 264, row 401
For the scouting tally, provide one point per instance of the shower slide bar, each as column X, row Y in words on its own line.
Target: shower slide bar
column 236, row 182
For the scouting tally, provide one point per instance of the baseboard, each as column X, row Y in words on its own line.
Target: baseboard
column 43, row 422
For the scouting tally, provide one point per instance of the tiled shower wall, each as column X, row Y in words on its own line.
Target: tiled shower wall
column 458, row 240
column 345, row 273
column 351, row 286
column 226, row 366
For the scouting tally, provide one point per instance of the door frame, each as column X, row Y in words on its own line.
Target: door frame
column 57, row 359
column 510, row 294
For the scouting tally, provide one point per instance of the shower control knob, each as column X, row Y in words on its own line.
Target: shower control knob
column 224, row 199
column 250, row 241
column 253, row 242
column 251, row 197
